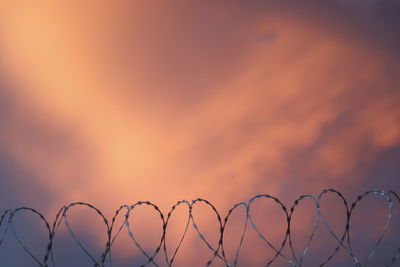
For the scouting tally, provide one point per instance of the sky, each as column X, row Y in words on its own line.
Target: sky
column 114, row 102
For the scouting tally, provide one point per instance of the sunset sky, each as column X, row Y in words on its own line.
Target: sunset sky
column 110, row 102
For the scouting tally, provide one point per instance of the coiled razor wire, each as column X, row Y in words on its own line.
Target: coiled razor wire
column 218, row 251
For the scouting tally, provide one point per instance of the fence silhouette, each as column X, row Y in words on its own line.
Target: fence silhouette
column 127, row 211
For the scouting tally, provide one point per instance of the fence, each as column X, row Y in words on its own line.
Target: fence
column 127, row 211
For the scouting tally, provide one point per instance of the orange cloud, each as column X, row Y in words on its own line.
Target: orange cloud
column 124, row 102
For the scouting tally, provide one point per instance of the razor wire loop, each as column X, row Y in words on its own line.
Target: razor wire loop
column 71, row 232
column 169, row 215
column 278, row 252
column 344, row 239
column 150, row 258
column 327, row 226
column 11, row 223
column 389, row 216
column 202, row 237
column 314, row 228
column 241, row 236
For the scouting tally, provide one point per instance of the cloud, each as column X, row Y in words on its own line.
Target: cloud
column 113, row 104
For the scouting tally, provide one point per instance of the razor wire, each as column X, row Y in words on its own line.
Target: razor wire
column 126, row 212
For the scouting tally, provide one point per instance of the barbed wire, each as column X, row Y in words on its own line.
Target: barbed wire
column 127, row 212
